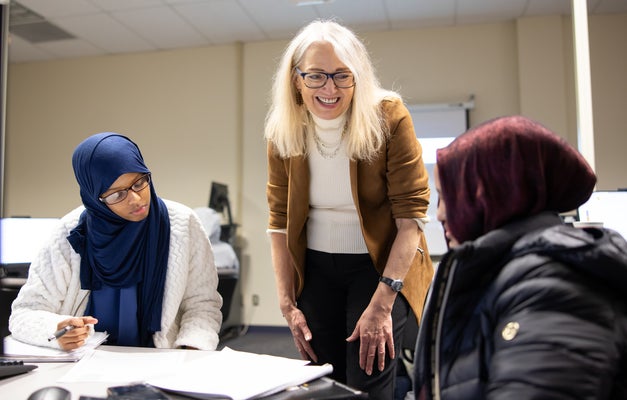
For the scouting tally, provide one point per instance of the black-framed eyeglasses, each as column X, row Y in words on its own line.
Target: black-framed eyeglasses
column 316, row 80
column 140, row 184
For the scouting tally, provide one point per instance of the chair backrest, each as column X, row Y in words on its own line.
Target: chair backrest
column 7, row 295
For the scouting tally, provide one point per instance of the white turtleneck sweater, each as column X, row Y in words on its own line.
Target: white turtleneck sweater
column 333, row 225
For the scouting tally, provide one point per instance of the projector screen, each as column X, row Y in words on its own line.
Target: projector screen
column 436, row 126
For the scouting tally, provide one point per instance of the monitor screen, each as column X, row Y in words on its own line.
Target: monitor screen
column 608, row 207
column 219, row 196
column 21, row 238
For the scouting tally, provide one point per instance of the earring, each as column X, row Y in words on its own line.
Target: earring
column 299, row 98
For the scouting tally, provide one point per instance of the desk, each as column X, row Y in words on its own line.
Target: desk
column 47, row 374
column 19, row 387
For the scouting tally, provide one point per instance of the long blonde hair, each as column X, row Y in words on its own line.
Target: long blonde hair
column 288, row 121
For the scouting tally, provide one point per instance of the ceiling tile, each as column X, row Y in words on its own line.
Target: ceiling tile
column 161, row 26
column 60, row 8
column 105, row 33
column 279, row 19
column 118, row 5
column 483, row 11
column 404, row 14
column 367, row 15
column 221, row 21
column 548, row 7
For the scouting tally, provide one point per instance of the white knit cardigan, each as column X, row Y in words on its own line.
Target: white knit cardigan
column 191, row 305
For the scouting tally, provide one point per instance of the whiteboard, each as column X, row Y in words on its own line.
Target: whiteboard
column 436, row 125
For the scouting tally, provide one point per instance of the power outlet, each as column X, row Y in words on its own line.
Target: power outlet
column 255, row 299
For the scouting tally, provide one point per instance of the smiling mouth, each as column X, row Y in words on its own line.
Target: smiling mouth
column 325, row 100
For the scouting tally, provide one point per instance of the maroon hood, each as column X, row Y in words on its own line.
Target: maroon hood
column 506, row 169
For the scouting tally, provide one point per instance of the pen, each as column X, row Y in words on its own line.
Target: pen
column 61, row 332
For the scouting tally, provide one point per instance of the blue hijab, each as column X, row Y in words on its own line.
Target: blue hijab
column 114, row 251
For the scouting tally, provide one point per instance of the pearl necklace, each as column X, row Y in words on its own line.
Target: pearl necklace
column 329, row 150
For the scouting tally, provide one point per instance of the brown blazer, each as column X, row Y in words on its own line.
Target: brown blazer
column 395, row 185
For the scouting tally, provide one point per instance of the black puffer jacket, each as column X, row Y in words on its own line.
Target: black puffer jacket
column 534, row 310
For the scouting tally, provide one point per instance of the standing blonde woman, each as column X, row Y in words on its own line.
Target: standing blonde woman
column 347, row 194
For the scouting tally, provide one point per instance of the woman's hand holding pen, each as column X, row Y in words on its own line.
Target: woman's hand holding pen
column 75, row 337
column 301, row 333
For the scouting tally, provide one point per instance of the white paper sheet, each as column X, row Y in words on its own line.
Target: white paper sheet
column 114, row 366
column 239, row 375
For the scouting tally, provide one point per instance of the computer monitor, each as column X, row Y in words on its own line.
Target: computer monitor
column 219, row 196
column 608, row 207
column 219, row 201
column 20, row 241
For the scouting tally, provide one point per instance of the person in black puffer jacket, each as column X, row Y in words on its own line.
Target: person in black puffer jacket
column 522, row 306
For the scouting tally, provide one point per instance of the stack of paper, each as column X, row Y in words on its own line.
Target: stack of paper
column 239, row 375
column 30, row 353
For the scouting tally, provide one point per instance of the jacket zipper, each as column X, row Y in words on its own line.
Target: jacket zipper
column 437, row 331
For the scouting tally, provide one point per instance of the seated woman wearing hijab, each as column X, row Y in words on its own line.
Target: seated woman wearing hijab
column 138, row 266
column 522, row 305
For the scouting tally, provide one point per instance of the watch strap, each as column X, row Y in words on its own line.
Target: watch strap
column 395, row 284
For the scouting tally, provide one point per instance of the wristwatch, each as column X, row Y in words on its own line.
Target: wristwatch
column 395, row 284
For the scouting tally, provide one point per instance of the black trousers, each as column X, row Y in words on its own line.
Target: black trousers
column 338, row 288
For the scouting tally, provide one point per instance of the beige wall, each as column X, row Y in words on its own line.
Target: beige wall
column 545, row 73
column 198, row 114
column 181, row 107
column 608, row 54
